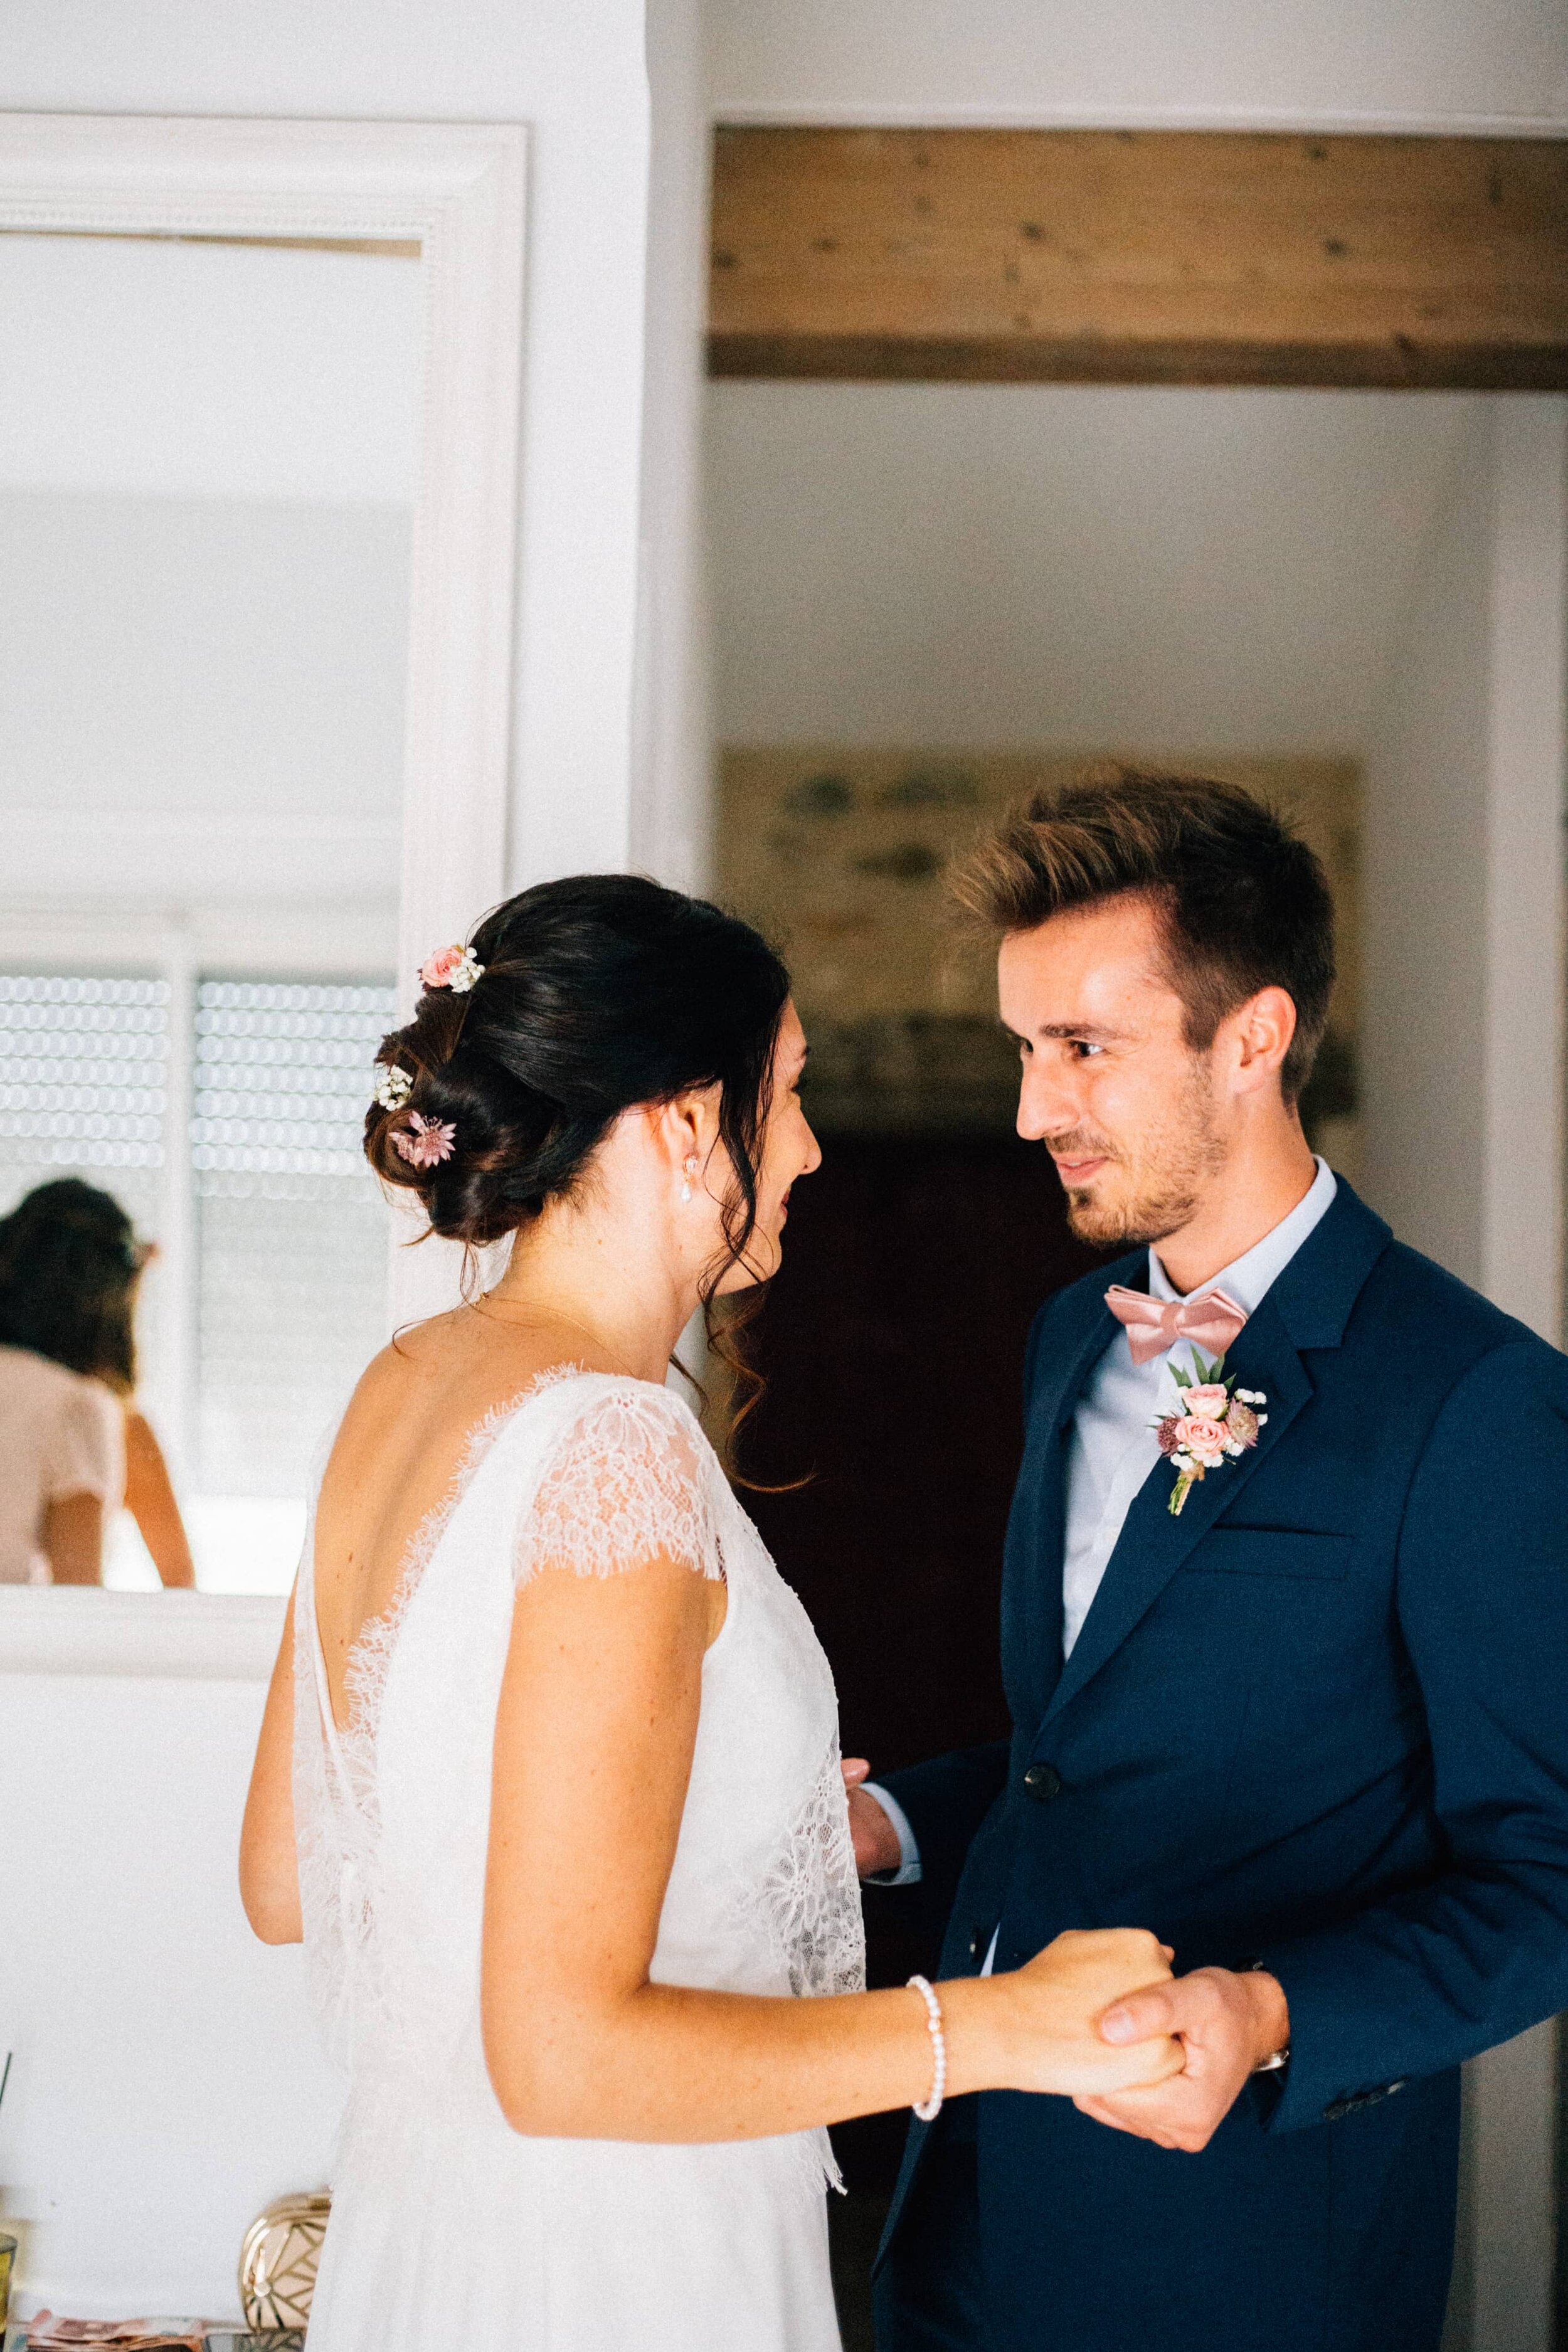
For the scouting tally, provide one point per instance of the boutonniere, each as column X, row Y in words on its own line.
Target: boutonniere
column 1214, row 1422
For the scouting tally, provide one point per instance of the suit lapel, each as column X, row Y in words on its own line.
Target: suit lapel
column 1153, row 1545
column 1058, row 1396
column 1051, row 1408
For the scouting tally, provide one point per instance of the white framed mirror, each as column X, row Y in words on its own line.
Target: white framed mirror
column 258, row 437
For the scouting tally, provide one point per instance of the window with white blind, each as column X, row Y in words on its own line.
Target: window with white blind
column 84, row 1086
column 226, row 1116
column 291, row 1237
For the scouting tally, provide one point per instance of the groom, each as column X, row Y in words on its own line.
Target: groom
column 1311, row 1726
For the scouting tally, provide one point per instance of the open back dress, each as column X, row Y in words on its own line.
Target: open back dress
column 449, row 2229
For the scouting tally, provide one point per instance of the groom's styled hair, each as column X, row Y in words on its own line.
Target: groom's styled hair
column 1244, row 903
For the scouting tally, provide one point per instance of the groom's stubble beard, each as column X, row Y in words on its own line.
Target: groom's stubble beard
column 1157, row 1178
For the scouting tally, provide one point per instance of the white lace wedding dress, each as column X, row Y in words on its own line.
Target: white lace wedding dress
column 449, row 2231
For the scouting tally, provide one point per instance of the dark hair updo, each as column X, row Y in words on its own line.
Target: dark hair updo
column 69, row 1265
column 597, row 993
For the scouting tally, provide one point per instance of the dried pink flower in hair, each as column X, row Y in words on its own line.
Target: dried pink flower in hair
column 425, row 1142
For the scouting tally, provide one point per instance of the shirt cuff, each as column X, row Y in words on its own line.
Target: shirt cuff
column 908, row 1872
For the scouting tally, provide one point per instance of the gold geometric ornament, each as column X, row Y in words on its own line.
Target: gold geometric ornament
column 279, row 2259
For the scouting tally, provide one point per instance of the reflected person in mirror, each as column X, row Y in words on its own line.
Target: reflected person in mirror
column 74, row 1445
column 548, row 1778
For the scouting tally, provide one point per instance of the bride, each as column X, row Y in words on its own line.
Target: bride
column 548, row 1778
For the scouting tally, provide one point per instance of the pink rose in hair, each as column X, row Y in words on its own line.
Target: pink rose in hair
column 452, row 967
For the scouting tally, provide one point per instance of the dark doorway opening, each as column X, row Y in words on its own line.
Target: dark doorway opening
column 893, row 1341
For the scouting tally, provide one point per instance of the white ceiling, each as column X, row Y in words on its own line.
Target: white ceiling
column 956, row 565
column 1212, row 63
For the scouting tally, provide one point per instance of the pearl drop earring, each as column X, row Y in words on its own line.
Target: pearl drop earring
column 690, row 1172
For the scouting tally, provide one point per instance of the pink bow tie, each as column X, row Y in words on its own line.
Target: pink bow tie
column 1153, row 1325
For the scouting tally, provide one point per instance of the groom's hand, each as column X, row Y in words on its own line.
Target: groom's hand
column 877, row 1846
column 1227, row 2024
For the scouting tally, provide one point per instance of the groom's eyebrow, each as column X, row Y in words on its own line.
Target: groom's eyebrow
column 1095, row 1031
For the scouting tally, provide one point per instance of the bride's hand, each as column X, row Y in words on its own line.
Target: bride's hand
column 1061, row 1995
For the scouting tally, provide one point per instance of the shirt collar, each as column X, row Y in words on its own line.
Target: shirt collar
column 1252, row 1274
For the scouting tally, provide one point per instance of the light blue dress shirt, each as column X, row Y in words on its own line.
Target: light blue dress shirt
column 1114, row 1446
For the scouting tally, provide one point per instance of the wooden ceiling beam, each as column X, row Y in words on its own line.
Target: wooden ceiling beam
column 1091, row 257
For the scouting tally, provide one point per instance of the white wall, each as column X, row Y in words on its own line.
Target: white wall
column 1527, row 801
column 1414, row 63
column 1463, row 1020
column 1424, row 897
column 1462, row 1100
column 167, row 2081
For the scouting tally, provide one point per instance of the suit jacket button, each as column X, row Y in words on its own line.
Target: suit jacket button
column 974, row 1944
column 1043, row 1782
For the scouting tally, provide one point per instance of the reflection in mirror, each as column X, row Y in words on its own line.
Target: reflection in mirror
column 207, row 462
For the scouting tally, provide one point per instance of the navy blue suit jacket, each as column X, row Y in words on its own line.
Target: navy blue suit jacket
column 1321, row 1720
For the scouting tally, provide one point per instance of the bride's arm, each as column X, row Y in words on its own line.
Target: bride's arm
column 269, row 1870
column 595, row 1735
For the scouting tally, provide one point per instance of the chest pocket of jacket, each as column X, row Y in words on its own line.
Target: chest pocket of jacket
column 1271, row 1551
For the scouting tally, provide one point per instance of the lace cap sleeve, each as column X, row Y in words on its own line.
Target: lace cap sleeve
column 631, row 1477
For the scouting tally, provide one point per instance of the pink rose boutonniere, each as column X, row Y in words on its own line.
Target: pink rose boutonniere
column 1214, row 1422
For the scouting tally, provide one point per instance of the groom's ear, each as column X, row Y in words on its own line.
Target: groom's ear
column 1257, row 1036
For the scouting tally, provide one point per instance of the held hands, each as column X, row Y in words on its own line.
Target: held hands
column 1098, row 2016
column 1226, row 2024
column 1060, row 1998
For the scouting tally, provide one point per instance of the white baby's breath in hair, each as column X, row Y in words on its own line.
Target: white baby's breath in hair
column 393, row 1085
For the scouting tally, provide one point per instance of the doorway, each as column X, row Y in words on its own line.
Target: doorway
column 931, row 597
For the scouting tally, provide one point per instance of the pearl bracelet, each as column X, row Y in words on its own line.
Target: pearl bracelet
column 929, row 2110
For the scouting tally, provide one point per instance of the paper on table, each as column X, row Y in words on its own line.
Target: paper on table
column 48, row 2334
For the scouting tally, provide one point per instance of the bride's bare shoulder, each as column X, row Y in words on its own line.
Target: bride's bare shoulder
column 435, row 1382
column 414, row 1365
column 419, row 1352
